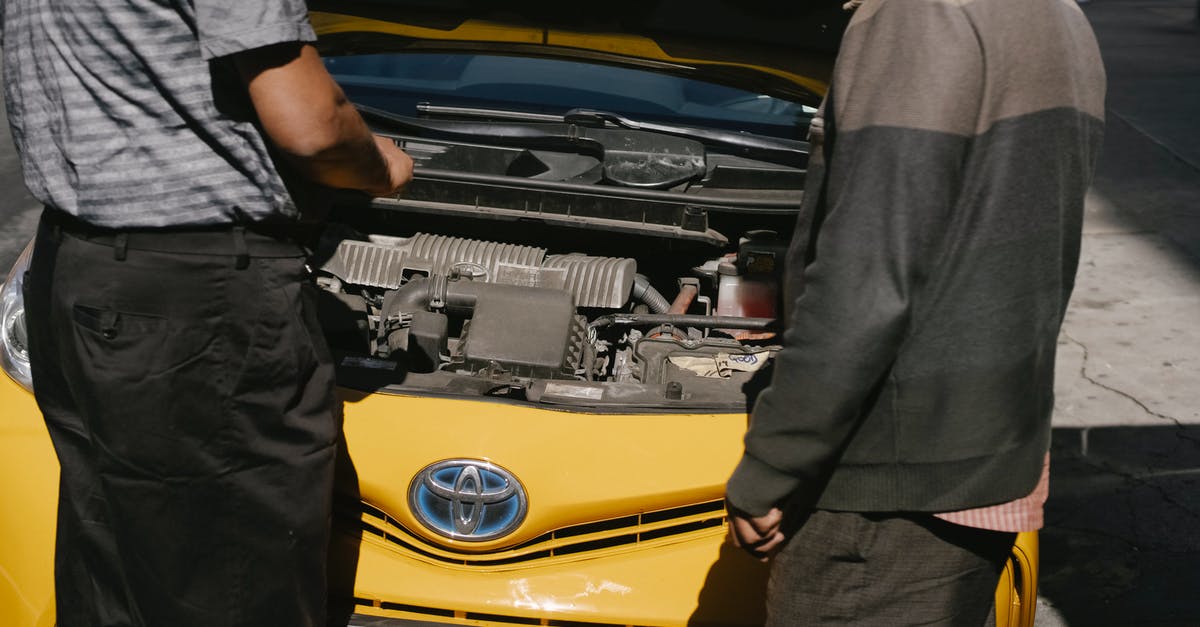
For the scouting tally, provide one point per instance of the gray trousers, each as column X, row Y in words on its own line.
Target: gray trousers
column 886, row 570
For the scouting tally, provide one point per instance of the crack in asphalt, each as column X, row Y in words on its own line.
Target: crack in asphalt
column 1135, row 400
column 1137, row 541
column 1138, row 479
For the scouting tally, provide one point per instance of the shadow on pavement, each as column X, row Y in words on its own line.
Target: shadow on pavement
column 1121, row 544
column 1155, row 189
column 1151, row 162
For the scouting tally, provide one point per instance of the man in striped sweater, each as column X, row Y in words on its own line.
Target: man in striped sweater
column 906, row 431
column 173, row 339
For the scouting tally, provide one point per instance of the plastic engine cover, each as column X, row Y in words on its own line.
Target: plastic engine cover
column 387, row 262
column 529, row 331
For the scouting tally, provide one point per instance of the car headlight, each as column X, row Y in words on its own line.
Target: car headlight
column 15, row 354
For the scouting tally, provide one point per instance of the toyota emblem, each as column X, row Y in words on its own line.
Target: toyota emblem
column 469, row 500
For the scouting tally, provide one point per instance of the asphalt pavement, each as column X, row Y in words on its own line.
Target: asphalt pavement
column 1122, row 541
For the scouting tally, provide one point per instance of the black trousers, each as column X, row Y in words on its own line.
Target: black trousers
column 188, row 394
column 886, row 570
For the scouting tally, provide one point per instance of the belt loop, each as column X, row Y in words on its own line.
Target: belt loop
column 120, row 246
column 52, row 221
column 241, row 255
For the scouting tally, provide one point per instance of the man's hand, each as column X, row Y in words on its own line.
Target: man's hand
column 759, row 536
column 399, row 167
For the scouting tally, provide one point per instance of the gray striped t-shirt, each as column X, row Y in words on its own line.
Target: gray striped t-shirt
column 127, row 113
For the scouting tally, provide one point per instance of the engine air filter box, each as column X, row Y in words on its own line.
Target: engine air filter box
column 529, row 331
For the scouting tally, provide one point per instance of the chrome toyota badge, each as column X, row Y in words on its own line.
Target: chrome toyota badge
column 467, row 499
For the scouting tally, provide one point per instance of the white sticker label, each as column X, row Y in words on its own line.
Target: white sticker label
column 369, row 363
column 512, row 274
column 574, row 391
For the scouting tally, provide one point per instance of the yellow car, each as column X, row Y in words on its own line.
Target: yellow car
column 547, row 346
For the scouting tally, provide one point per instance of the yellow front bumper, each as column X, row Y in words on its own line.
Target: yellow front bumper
column 674, row 584
column 625, row 523
column 639, row 496
column 28, row 503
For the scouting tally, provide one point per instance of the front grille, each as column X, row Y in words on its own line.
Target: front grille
column 561, row 543
column 364, row 620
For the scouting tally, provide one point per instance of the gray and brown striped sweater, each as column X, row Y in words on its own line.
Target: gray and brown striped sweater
column 933, row 262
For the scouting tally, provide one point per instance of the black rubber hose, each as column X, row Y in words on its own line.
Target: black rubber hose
column 410, row 297
column 457, row 296
column 683, row 320
column 645, row 293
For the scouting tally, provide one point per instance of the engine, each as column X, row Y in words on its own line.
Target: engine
column 505, row 312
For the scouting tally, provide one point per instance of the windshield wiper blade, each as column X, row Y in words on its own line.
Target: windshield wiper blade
column 732, row 139
column 630, row 158
column 491, row 114
column 551, row 135
column 789, row 150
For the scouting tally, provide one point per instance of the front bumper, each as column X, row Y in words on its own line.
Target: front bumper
column 28, row 503
column 630, row 572
column 626, row 524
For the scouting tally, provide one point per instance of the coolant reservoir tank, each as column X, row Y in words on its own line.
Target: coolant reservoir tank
column 748, row 282
column 745, row 296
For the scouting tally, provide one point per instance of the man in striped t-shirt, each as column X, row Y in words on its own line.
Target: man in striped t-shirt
column 172, row 333
column 906, row 429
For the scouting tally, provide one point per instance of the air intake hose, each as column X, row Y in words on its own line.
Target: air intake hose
column 645, row 293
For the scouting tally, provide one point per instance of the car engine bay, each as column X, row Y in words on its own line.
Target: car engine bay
column 539, row 276
column 453, row 315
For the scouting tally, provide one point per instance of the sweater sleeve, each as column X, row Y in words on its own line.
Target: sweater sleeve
column 901, row 113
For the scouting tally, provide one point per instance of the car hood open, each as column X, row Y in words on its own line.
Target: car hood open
column 783, row 49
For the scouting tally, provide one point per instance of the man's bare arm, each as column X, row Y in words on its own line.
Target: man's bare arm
column 308, row 117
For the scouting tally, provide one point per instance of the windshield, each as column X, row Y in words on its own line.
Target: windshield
column 399, row 82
